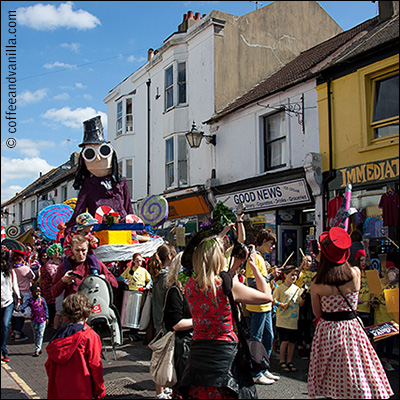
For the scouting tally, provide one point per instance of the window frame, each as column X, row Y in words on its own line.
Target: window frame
column 385, row 68
column 181, row 84
column 169, row 162
column 177, row 165
column 168, row 89
column 64, row 193
column 122, row 116
column 174, row 90
column 123, row 169
column 119, row 123
column 33, row 208
column 267, row 144
column 129, row 99
column 385, row 121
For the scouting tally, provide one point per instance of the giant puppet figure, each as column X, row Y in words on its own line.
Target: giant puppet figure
column 101, row 186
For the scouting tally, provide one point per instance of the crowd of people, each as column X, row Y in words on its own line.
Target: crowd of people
column 317, row 313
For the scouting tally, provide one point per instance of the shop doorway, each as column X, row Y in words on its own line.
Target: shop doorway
column 289, row 240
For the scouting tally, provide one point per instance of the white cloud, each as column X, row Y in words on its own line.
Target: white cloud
column 31, row 148
column 27, row 168
column 132, row 59
column 75, row 47
column 88, row 96
column 73, row 118
column 9, row 192
column 28, row 97
column 27, row 121
column 62, row 96
column 56, row 64
column 44, row 17
column 80, row 85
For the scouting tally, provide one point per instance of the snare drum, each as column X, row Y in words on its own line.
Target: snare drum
column 131, row 309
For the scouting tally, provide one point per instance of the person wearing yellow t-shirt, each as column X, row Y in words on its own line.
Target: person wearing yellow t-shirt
column 365, row 298
column 306, row 315
column 261, row 315
column 136, row 276
column 384, row 347
column 288, row 298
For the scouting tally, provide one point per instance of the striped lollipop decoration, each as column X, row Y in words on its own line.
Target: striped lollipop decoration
column 154, row 210
column 13, row 244
column 101, row 212
column 51, row 216
column 12, row 231
column 71, row 202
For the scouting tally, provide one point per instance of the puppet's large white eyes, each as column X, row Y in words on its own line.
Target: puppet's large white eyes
column 105, row 150
column 89, row 154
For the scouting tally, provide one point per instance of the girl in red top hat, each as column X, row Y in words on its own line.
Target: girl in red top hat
column 343, row 363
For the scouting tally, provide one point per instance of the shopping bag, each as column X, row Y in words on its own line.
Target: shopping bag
column 146, row 313
column 162, row 366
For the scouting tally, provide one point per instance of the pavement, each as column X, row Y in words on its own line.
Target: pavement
column 128, row 377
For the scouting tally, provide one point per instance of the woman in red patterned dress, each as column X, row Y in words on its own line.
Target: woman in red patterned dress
column 343, row 363
column 210, row 370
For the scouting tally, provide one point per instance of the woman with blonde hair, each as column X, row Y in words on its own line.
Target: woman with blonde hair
column 211, row 370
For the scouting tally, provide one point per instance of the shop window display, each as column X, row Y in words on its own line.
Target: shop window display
column 377, row 218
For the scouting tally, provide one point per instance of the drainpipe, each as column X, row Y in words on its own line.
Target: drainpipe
column 148, row 83
column 331, row 173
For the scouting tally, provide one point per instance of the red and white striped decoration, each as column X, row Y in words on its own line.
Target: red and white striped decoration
column 101, row 211
column 131, row 219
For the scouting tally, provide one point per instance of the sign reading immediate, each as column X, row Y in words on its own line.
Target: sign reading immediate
column 270, row 196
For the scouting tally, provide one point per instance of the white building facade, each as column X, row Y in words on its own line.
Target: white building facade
column 183, row 84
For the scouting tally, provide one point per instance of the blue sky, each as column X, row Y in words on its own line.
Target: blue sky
column 70, row 54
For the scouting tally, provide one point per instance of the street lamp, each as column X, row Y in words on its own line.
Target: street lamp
column 195, row 136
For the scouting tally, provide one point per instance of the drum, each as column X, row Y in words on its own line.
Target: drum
column 131, row 307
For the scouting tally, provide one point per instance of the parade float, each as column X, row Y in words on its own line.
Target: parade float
column 104, row 193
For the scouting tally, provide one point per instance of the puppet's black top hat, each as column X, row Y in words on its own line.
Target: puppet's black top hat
column 93, row 132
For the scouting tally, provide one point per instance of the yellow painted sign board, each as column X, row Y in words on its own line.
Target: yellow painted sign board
column 392, row 300
column 374, row 283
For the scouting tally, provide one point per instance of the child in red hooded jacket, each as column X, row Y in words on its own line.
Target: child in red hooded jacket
column 74, row 366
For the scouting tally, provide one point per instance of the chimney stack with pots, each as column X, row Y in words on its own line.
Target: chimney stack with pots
column 150, row 54
column 189, row 19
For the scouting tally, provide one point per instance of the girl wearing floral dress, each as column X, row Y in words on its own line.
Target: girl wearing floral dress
column 343, row 363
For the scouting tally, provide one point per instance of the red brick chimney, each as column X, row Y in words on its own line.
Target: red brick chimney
column 188, row 20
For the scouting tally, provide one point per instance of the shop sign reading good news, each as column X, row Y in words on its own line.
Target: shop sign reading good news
column 270, row 196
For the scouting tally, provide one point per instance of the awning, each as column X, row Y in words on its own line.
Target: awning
column 187, row 207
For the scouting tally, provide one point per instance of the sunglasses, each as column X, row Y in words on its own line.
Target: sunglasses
column 89, row 153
